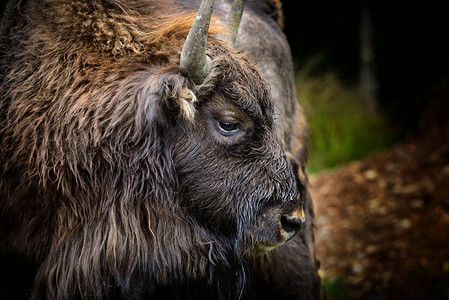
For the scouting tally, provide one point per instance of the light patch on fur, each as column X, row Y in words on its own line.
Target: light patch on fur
column 186, row 99
column 299, row 214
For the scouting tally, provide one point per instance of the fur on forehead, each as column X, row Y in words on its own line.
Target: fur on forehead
column 234, row 76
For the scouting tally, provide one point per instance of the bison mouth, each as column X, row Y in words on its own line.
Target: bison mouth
column 284, row 230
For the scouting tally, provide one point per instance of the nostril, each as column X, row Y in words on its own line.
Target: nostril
column 292, row 225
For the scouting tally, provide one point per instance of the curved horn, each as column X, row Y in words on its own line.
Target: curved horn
column 233, row 20
column 193, row 55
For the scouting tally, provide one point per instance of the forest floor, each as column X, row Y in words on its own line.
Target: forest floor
column 382, row 224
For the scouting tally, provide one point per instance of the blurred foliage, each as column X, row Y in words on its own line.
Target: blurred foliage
column 344, row 123
column 409, row 43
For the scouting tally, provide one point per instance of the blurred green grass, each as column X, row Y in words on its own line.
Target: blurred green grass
column 335, row 289
column 344, row 123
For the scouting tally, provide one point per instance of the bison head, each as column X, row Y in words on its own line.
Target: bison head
column 234, row 177
column 234, row 181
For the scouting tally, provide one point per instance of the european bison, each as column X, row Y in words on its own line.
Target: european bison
column 136, row 163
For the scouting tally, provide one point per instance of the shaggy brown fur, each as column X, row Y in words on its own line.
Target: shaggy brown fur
column 115, row 180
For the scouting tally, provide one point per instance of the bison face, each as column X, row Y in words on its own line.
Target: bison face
column 235, row 179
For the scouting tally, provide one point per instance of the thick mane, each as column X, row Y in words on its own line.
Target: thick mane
column 121, row 27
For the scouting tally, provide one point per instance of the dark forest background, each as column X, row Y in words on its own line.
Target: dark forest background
column 408, row 44
column 373, row 76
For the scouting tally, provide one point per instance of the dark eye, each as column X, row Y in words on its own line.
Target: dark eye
column 228, row 128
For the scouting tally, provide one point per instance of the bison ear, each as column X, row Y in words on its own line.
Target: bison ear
column 173, row 95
